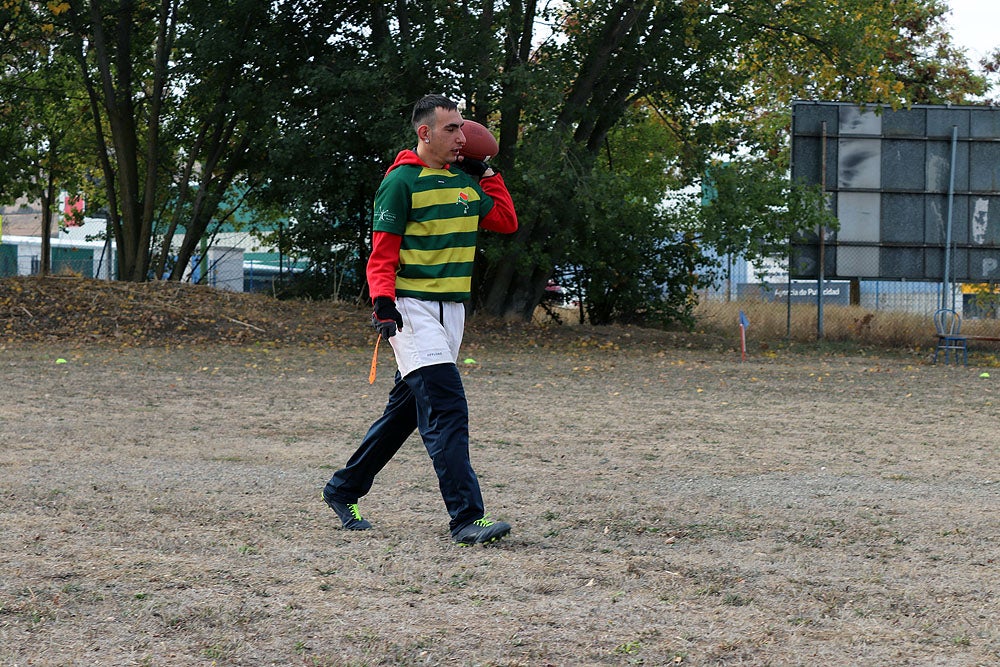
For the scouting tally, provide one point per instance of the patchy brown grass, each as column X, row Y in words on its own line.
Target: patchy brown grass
column 670, row 504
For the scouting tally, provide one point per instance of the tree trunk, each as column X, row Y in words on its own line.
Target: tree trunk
column 513, row 295
column 509, row 291
column 45, row 260
column 110, row 82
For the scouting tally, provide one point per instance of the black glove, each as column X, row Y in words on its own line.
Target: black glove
column 472, row 166
column 386, row 318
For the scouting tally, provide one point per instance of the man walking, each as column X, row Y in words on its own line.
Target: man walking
column 428, row 211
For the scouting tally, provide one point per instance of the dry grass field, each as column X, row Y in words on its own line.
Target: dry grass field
column 670, row 504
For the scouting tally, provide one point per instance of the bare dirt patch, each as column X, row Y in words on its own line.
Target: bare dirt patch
column 670, row 505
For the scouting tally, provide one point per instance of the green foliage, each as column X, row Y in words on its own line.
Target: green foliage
column 609, row 113
column 640, row 268
column 878, row 51
column 238, row 64
column 626, row 104
column 632, row 258
column 339, row 129
column 634, row 252
column 754, row 210
column 44, row 144
column 725, row 73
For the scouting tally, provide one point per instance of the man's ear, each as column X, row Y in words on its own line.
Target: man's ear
column 424, row 133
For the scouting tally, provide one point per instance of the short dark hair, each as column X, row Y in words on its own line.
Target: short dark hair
column 423, row 110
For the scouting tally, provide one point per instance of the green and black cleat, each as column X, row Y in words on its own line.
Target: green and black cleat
column 348, row 513
column 481, row 531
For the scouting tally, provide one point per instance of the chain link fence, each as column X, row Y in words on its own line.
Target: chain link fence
column 26, row 260
column 883, row 313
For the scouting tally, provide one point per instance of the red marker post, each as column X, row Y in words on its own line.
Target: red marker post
column 744, row 325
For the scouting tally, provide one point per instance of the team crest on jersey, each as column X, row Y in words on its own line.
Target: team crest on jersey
column 384, row 215
column 463, row 199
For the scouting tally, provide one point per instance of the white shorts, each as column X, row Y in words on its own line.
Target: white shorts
column 432, row 333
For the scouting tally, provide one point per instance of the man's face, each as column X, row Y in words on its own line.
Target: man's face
column 443, row 138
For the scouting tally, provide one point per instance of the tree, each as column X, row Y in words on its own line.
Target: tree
column 14, row 51
column 43, row 138
column 183, row 99
column 710, row 70
column 345, row 121
column 714, row 77
column 123, row 52
column 894, row 52
column 56, row 141
column 238, row 62
column 990, row 65
column 300, row 106
column 614, row 54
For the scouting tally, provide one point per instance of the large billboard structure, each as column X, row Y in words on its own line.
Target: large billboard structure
column 916, row 191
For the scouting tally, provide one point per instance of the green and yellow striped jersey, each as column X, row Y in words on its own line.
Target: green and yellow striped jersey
column 437, row 213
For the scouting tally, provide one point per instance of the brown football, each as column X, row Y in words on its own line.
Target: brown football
column 480, row 144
